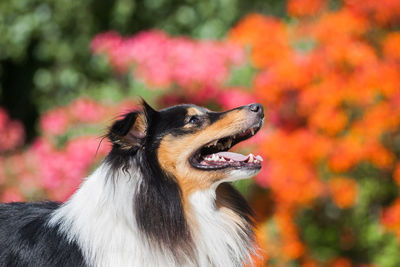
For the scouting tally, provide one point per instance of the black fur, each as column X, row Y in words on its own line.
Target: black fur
column 27, row 241
column 228, row 196
column 158, row 203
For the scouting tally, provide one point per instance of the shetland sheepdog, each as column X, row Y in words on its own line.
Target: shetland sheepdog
column 161, row 197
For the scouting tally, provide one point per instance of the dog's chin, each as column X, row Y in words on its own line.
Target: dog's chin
column 240, row 174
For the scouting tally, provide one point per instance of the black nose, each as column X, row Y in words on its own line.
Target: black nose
column 257, row 108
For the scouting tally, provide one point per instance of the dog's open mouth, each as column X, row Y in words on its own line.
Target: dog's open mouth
column 214, row 155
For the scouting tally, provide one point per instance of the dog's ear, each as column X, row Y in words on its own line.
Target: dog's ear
column 130, row 131
column 149, row 112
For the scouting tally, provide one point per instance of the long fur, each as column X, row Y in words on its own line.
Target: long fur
column 130, row 212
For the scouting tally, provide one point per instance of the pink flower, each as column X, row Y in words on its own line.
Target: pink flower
column 11, row 194
column 105, row 42
column 54, row 122
column 12, row 132
column 161, row 60
column 86, row 110
column 233, row 98
column 62, row 170
column 3, row 119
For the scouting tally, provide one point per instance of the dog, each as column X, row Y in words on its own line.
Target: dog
column 161, row 197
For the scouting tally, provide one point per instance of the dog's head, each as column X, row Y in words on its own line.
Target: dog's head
column 178, row 151
column 190, row 143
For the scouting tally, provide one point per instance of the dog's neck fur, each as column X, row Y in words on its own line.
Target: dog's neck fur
column 100, row 217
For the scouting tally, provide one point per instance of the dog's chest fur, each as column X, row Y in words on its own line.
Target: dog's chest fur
column 99, row 218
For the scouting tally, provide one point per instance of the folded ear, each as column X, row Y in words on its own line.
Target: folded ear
column 130, row 131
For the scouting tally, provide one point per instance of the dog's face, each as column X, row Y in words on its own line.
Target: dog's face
column 190, row 143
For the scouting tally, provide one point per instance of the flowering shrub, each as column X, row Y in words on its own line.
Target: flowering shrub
column 199, row 67
column 330, row 81
column 332, row 89
column 12, row 132
column 55, row 163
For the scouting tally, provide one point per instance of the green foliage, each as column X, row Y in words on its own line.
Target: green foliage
column 44, row 46
column 242, row 76
column 332, row 232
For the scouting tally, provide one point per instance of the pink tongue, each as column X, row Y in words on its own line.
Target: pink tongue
column 232, row 156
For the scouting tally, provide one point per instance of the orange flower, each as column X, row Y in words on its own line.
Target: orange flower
column 344, row 191
column 347, row 153
column 331, row 121
column 267, row 38
column 309, row 263
column 347, row 54
column 391, row 46
column 293, row 249
column 291, row 245
column 340, row 262
column 249, row 29
column 391, row 218
column 371, row 81
column 338, row 25
column 328, row 93
column 377, row 120
column 304, row 7
column 382, row 11
column 379, row 155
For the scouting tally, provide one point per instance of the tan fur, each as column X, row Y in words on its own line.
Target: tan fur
column 224, row 204
column 140, row 124
column 192, row 112
column 137, row 131
column 174, row 152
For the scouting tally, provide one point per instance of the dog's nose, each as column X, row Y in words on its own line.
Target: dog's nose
column 257, row 108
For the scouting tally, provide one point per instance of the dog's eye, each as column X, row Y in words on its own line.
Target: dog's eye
column 194, row 119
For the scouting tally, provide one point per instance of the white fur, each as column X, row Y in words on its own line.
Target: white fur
column 239, row 174
column 100, row 218
column 218, row 237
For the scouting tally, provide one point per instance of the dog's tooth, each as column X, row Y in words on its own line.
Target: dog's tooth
column 222, row 159
column 228, row 143
column 255, row 161
column 251, row 158
column 252, row 131
column 231, row 160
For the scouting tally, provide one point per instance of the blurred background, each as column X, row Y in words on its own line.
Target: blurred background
column 326, row 71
